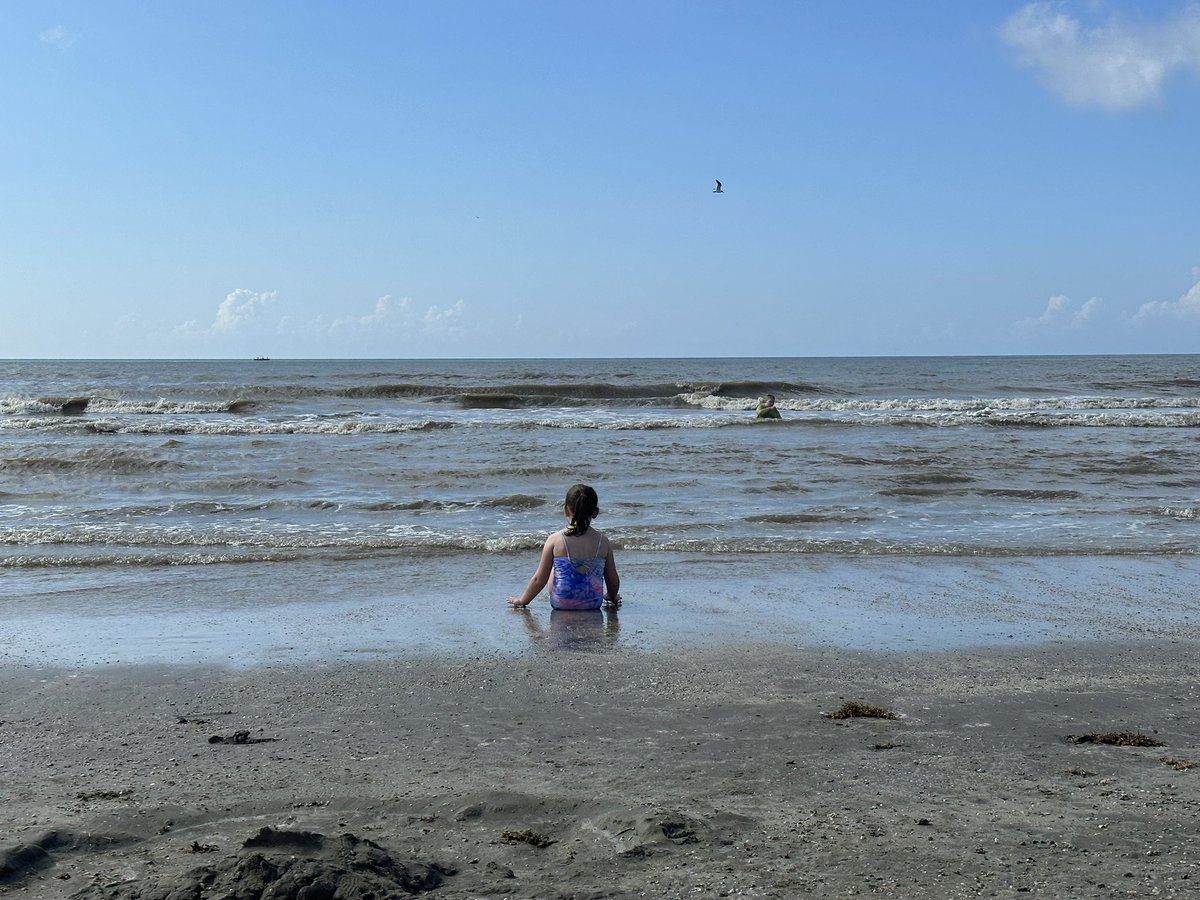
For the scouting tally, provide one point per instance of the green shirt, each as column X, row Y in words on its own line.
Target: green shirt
column 767, row 412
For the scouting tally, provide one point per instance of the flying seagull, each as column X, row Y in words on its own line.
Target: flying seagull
column 718, row 189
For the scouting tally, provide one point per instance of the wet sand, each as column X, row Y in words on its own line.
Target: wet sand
column 559, row 773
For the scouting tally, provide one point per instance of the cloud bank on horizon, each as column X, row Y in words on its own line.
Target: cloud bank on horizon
column 1062, row 314
column 1185, row 308
column 259, row 318
column 246, row 314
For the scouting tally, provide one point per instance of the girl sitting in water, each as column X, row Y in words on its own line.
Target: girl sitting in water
column 577, row 561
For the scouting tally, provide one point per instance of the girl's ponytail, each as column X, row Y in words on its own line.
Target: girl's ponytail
column 583, row 504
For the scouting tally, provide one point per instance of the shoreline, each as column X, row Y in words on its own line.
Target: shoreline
column 705, row 771
column 315, row 612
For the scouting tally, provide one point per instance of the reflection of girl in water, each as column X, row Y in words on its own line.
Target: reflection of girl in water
column 575, row 629
column 577, row 561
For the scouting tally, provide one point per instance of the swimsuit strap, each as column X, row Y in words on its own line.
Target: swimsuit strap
column 567, row 545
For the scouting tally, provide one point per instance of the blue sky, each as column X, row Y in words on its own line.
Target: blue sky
column 460, row 179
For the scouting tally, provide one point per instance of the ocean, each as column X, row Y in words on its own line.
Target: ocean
column 139, row 491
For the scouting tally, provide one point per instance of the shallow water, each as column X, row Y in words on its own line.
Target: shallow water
column 322, row 610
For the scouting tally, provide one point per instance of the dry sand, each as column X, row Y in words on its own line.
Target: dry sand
column 617, row 773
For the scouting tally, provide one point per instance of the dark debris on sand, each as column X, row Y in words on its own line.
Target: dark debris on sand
column 290, row 865
column 240, row 737
column 533, row 838
column 1116, row 739
column 856, row 710
column 1180, row 765
column 86, row 796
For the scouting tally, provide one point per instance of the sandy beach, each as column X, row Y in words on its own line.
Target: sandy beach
column 621, row 773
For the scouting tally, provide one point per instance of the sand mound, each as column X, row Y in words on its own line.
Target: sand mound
column 19, row 862
column 290, row 865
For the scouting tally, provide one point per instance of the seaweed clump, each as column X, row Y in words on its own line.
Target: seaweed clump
column 1116, row 739
column 856, row 710
column 533, row 838
column 1180, row 765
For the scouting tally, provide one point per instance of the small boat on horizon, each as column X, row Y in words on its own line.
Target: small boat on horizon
column 262, row 358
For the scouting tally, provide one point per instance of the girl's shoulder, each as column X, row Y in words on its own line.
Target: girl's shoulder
column 600, row 538
column 583, row 543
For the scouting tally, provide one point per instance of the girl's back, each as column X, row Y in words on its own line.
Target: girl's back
column 579, row 560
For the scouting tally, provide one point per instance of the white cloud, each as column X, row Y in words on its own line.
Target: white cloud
column 385, row 309
column 444, row 321
column 240, row 309
column 1060, row 311
column 1116, row 65
column 1054, row 307
column 1186, row 307
column 394, row 317
column 387, row 315
column 57, row 38
column 1086, row 311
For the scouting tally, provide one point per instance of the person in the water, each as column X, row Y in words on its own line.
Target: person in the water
column 766, row 408
column 576, row 561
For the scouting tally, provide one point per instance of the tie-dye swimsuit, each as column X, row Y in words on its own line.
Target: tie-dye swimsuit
column 578, row 583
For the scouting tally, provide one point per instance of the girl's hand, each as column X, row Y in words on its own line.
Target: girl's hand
column 516, row 601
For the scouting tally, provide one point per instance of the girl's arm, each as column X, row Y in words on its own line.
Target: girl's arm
column 612, row 581
column 540, row 577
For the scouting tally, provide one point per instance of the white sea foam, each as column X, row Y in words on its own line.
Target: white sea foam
column 1180, row 512
column 1133, row 417
column 994, row 406
column 24, row 406
column 158, row 407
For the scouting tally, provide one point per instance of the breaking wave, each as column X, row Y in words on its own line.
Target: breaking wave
column 599, row 421
column 81, row 554
column 90, row 461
